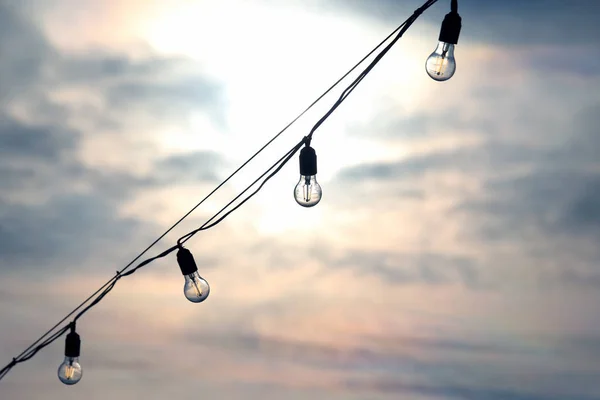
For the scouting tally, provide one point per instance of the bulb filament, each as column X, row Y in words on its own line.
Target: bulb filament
column 198, row 291
column 442, row 60
column 307, row 189
column 70, row 371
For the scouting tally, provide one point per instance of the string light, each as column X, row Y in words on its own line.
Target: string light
column 70, row 372
column 307, row 193
column 196, row 289
column 441, row 65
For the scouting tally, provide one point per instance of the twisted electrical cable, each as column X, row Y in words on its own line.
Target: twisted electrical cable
column 99, row 294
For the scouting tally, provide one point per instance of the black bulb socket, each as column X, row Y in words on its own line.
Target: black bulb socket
column 308, row 161
column 72, row 345
column 451, row 26
column 186, row 262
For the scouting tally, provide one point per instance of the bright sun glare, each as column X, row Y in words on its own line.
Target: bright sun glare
column 282, row 60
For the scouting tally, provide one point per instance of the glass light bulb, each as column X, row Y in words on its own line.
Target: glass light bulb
column 69, row 372
column 196, row 289
column 441, row 64
column 308, row 192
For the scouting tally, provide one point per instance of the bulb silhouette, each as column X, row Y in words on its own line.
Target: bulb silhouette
column 70, row 372
column 441, row 64
column 308, row 191
column 196, row 289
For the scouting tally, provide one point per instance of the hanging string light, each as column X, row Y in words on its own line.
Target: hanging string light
column 196, row 289
column 441, row 65
column 307, row 193
column 70, row 372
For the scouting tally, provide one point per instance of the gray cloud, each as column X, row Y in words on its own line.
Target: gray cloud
column 65, row 230
column 451, row 367
column 465, row 159
column 537, row 185
column 191, row 91
column 148, row 86
column 558, row 195
column 486, row 346
column 80, row 214
column 32, row 67
column 395, row 268
column 376, row 352
column 554, row 212
column 554, row 202
column 394, row 125
column 23, row 51
column 580, row 143
column 538, row 21
column 451, row 391
column 74, row 213
column 102, row 66
column 41, row 156
column 512, row 22
column 18, row 140
column 401, row 268
column 194, row 166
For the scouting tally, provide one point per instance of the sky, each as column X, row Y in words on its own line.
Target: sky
column 454, row 253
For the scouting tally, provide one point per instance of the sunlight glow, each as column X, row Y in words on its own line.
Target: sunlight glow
column 278, row 66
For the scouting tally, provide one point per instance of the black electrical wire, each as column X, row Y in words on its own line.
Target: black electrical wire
column 278, row 166
column 211, row 193
column 34, row 348
column 116, row 276
column 402, row 29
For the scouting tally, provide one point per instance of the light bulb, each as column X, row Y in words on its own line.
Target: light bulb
column 308, row 191
column 196, row 289
column 69, row 372
column 441, row 64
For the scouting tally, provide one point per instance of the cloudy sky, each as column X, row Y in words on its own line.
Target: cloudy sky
column 454, row 254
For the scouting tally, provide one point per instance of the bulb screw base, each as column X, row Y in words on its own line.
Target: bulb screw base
column 308, row 161
column 186, row 262
column 451, row 26
column 72, row 345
